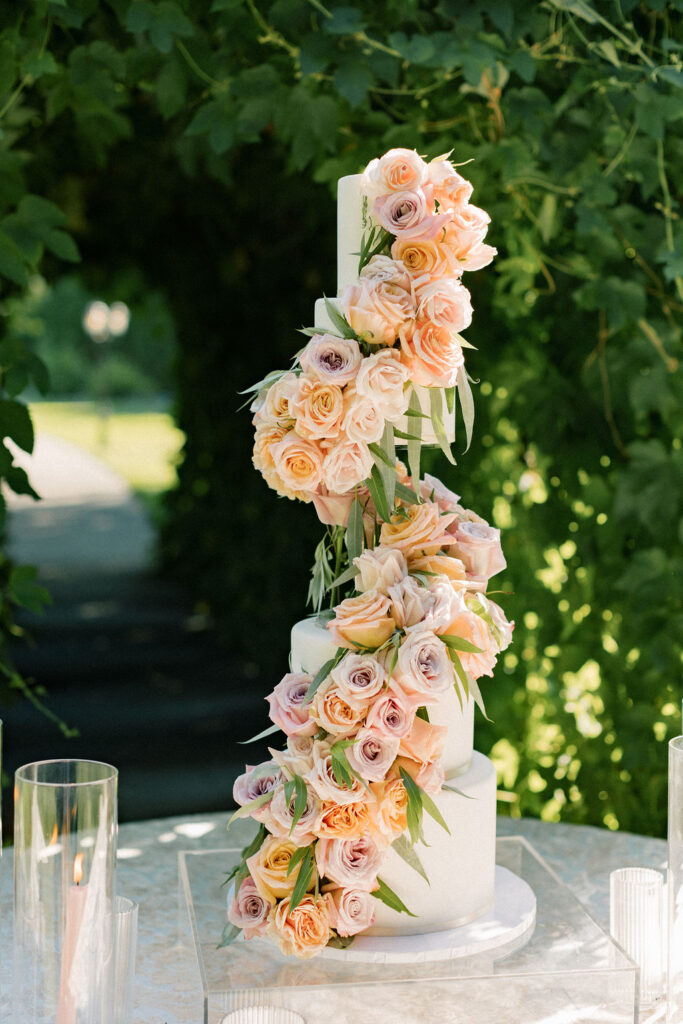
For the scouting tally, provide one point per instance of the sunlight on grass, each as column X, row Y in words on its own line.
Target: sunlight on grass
column 142, row 446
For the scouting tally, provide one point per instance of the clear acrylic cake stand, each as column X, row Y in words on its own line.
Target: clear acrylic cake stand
column 566, row 970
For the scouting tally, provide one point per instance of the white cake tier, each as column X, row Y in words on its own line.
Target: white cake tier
column 460, row 866
column 349, row 230
column 312, row 647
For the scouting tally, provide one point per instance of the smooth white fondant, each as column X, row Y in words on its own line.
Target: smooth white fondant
column 506, row 926
column 312, row 647
column 349, row 229
column 460, row 866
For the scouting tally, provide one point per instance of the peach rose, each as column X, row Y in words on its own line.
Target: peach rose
column 268, row 867
column 249, row 910
column 359, row 678
column 444, row 302
column 318, row 409
column 397, row 170
column 321, row 778
column 392, row 712
column 331, row 359
column 429, row 775
column 278, row 399
column 410, row 214
column 424, row 665
column 478, row 546
column 332, row 712
column 342, row 821
column 390, row 816
column 381, row 568
column 265, row 436
column 350, row 910
column 451, row 190
column 421, row 529
column 382, row 378
column 347, row 464
column 333, row 509
column 465, row 236
column 469, row 626
column 432, row 354
column 375, row 309
column 363, row 621
column 425, row 741
column 373, row 754
column 298, row 462
column 444, row 565
column 426, row 257
column 362, row 419
column 275, row 481
column 349, row 862
column 304, row 932
column 287, row 708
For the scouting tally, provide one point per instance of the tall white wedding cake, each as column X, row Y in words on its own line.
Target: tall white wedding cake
column 378, row 817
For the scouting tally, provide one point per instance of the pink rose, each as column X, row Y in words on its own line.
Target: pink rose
column 350, row 910
column 381, row 568
column 397, row 170
column 392, row 712
column 424, row 665
column 410, row 214
column 298, row 463
column 351, row 863
column 346, row 464
column 281, row 817
column 257, row 780
column 359, row 678
column 478, row 546
column 373, row 754
column 382, row 378
column 465, row 235
column 376, row 309
column 331, row 359
column 362, row 419
column 432, row 354
column 287, row 708
column 318, row 408
column 450, row 188
column 445, row 303
column 249, row 910
column 425, row 741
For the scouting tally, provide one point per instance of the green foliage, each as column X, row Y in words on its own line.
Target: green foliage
column 203, row 141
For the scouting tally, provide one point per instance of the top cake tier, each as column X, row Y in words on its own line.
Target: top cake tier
column 349, row 230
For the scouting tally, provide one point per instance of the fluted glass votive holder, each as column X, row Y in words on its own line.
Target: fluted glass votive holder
column 674, row 882
column 65, row 826
column 636, row 909
column 125, row 947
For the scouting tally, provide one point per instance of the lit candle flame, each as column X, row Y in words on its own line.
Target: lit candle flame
column 54, row 837
column 78, row 868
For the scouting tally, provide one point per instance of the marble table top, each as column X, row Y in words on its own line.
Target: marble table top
column 165, row 993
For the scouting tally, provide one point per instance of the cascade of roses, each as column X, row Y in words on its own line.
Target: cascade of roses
column 332, row 801
column 401, row 322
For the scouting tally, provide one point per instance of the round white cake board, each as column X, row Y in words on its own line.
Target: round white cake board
column 512, row 916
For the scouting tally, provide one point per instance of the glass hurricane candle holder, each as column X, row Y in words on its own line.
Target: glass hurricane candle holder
column 636, row 922
column 65, row 826
column 675, row 883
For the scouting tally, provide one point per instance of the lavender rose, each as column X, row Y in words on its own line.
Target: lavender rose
column 287, row 707
column 257, row 780
column 359, row 678
column 330, row 359
column 249, row 910
column 410, row 214
column 478, row 545
column 349, row 862
column 373, row 754
column 393, row 712
column 424, row 665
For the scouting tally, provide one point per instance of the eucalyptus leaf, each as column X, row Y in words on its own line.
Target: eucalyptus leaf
column 466, row 404
column 414, row 808
column 340, row 322
column 345, row 577
column 377, row 493
column 390, row 899
column 228, row 935
column 436, row 408
column 303, row 881
column 261, row 735
column 407, row 852
column 415, row 446
column 458, row 644
column 355, row 535
column 253, row 805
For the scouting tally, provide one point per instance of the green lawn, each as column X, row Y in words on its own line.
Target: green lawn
column 142, row 446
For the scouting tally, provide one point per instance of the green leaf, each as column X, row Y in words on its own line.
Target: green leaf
column 12, row 265
column 25, row 591
column 414, row 809
column 62, row 245
column 450, row 399
column 671, row 74
column 355, row 533
column 345, row 577
column 171, row 88
column 340, row 322
column 380, row 456
column 405, row 437
column 353, row 79
column 454, row 789
column 433, row 811
column 377, row 493
column 322, row 674
column 15, row 422
column 300, row 801
column 303, row 880
column 253, row 805
column 422, row 713
column 296, row 858
column 321, row 576
column 266, row 732
column 17, row 480
column 407, row 852
column 580, row 8
column 461, row 685
column 414, row 447
column 390, row 899
column 228, row 935
column 466, row 403
column 458, row 644
column 436, row 408
column 406, row 495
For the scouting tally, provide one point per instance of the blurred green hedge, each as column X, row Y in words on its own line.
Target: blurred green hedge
column 201, row 142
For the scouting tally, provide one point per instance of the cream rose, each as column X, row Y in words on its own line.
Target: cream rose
column 410, row 602
column 268, row 867
column 304, row 932
column 297, row 758
column 318, row 409
column 397, row 170
column 331, row 359
column 363, row 621
column 362, row 419
column 433, row 490
column 432, row 354
column 421, row 529
column 278, row 399
column 499, row 625
column 386, row 270
column 249, row 910
column 424, row 666
column 287, row 708
column 347, row 464
column 373, row 754
column 349, row 862
column 350, row 910
column 382, row 378
column 380, row 568
column 275, row 481
column 445, row 303
column 376, row 309
column 359, row 678
column 298, row 462
column 478, row 546
column 342, row 821
column 445, row 603
column 332, row 712
column 321, row 778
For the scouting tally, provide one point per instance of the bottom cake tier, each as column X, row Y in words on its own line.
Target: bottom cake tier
column 460, row 863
